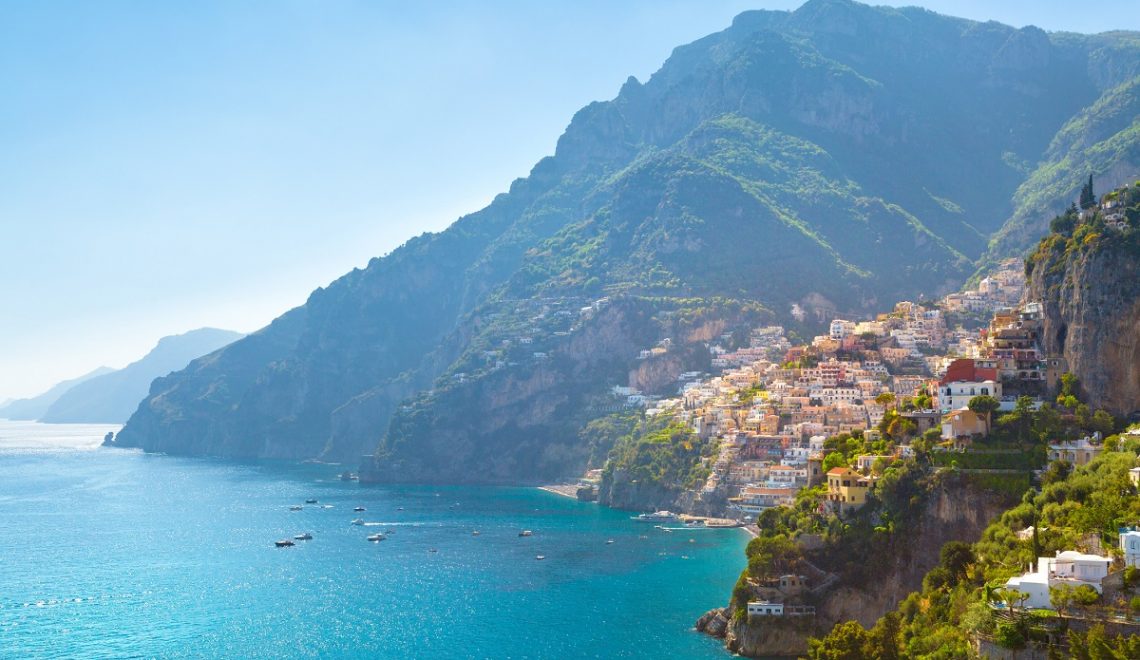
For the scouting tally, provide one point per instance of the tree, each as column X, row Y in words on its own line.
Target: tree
column 846, row 641
column 1102, row 422
column 1088, row 197
column 984, row 405
column 1084, row 415
column 1061, row 597
column 884, row 639
column 833, row 460
column 1056, row 472
column 886, row 400
column 956, row 557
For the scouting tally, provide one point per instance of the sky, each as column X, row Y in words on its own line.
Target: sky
column 167, row 166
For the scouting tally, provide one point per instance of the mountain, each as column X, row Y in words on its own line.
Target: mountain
column 35, row 407
column 1086, row 273
column 112, row 397
column 794, row 166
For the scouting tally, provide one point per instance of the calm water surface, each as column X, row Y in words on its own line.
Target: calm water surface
column 112, row 553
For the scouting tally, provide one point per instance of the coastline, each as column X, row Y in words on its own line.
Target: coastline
column 565, row 490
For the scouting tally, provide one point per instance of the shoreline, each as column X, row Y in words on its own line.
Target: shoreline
column 565, row 490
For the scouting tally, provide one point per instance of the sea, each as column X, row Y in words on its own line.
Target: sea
column 116, row 553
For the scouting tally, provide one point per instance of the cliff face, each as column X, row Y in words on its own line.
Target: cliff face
column 519, row 425
column 955, row 511
column 1091, row 296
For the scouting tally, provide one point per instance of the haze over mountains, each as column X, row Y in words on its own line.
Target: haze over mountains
column 829, row 160
column 33, row 408
column 109, row 395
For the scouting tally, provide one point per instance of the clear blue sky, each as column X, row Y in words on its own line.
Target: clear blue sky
column 166, row 166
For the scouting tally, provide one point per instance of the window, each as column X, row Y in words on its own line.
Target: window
column 985, row 390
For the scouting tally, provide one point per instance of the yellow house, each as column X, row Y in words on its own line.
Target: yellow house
column 846, row 489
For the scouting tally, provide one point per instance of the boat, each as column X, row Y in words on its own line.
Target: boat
column 657, row 516
column 296, row 507
column 540, row 557
column 665, row 529
column 399, row 508
column 303, row 537
column 311, row 501
column 359, row 508
column 695, row 523
column 432, row 550
column 347, row 476
column 475, row 533
column 609, row 541
column 526, row 532
column 375, row 538
column 358, row 521
column 284, row 543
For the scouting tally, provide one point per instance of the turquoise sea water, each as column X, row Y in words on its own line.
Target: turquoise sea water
column 112, row 553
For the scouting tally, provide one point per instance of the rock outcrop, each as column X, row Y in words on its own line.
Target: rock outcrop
column 955, row 511
column 1091, row 298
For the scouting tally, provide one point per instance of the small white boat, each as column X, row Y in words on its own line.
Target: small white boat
column 609, row 541
column 358, row 521
column 359, row 508
column 475, row 533
column 526, row 532
column 284, row 543
column 296, row 507
column 540, row 557
column 303, row 537
column 376, row 538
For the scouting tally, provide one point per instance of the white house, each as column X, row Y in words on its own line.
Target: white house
column 1035, row 585
column 957, row 395
column 1130, row 545
column 764, row 608
column 1073, row 566
column 1068, row 567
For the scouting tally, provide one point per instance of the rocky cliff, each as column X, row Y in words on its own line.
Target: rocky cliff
column 954, row 511
column 1089, row 282
column 841, row 154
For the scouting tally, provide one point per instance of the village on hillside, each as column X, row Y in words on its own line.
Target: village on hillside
column 929, row 376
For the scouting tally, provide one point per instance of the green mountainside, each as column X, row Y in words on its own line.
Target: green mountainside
column 834, row 158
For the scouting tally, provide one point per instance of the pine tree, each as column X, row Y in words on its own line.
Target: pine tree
column 1088, row 198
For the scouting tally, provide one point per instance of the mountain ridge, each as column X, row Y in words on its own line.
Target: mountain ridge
column 796, row 160
column 111, row 397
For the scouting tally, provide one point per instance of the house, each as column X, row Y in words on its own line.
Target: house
column 1130, row 545
column 1069, row 567
column 962, row 423
column 864, row 463
column 924, row 420
column 965, row 380
column 1076, row 567
column 1077, row 452
column 764, row 608
column 1035, row 585
column 846, row 489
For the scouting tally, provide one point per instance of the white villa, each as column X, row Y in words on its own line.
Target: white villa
column 1068, row 567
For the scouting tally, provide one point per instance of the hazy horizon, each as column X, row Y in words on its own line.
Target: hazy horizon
column 175, row 167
